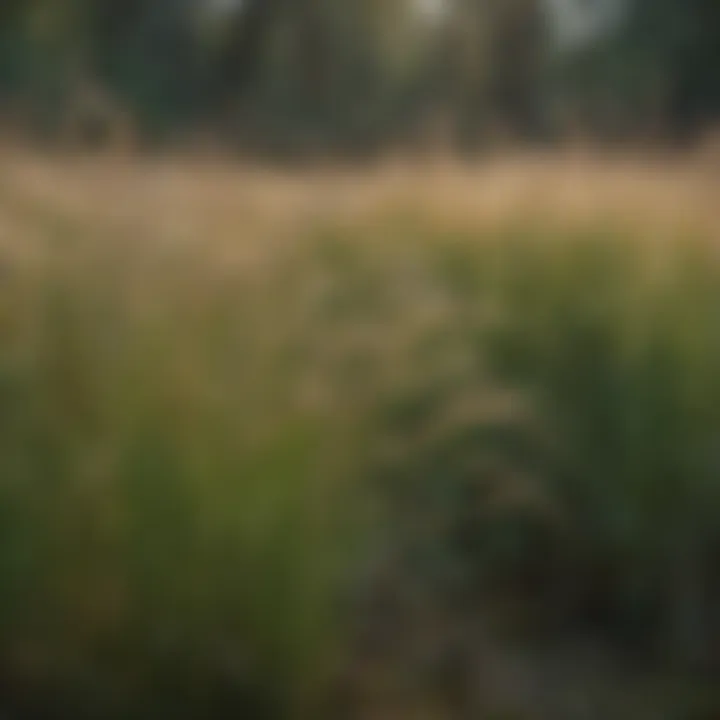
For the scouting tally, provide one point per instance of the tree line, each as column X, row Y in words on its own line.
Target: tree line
column 351, row 75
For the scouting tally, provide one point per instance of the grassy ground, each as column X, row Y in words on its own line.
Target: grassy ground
column 357, row 443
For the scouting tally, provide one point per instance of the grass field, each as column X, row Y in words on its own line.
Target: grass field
column 330, row 443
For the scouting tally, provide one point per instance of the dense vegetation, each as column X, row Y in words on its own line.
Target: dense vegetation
column 265, row 459
column 357, row 469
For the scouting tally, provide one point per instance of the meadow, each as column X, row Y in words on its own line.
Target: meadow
column 414, row 441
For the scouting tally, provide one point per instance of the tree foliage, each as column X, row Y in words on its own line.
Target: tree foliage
column 357, row 73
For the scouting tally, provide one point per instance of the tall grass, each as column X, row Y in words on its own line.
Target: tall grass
column 174, row 511
column 203, row 464
column 549, row 441
column 614, row 343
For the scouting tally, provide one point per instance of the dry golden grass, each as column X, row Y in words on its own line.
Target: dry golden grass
column 224, row 205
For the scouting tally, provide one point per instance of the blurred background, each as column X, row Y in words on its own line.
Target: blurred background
column 359, row 76
column 359, row 359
